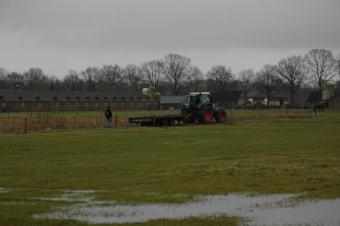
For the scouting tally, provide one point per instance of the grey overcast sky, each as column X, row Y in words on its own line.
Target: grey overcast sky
column 59, row 35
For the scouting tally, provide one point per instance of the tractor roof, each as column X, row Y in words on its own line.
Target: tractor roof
column 198, row 93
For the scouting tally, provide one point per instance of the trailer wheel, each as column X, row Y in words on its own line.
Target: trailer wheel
column 171, row 122
column 164, row 122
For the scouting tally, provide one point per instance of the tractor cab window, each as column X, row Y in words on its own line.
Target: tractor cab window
column 186, row 101
column 205, row 99
column 196, row 100
column 192, row 100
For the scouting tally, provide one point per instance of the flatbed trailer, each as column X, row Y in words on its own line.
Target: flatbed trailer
column 158, row 120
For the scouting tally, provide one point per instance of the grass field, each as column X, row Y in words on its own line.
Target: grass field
column 152, row 165
column 247, row 114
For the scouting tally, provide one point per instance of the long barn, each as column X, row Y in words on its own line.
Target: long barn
column 23, row 100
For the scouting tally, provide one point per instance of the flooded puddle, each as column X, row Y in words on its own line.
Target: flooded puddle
column 71, row 196
column 2, row 190
column 256, row 210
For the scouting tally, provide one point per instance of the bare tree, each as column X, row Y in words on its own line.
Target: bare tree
column 152, row 71
column 176, row 70
column 268, row 82
column 292, row 72
column 338, row 60
column 72, row 81
column 196, row 80
column 35, row 79
column 322, row 67
column 55, row 83
column 89, row 76
column 219, row 79
column 133, row 76
column 110, row 77
column 3, row 78
column 247, row 82
column 15, row 80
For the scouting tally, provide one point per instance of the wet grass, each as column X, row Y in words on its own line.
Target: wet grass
column 168, row 165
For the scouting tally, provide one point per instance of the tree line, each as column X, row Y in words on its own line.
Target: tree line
column 176, row 75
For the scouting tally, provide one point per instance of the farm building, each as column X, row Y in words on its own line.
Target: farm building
column 334, row 97
column 277, row 101
column 314, row 97
column 330, row 95
column 20, row 100
column 227, row 98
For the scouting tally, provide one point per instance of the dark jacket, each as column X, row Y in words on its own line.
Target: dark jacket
column 108, row 114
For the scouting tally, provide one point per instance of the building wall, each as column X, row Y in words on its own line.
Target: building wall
column 334, row 103
column 33, row 106
column 278, row 103
column 264, row 101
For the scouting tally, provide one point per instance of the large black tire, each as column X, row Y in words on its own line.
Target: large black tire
column 164, row 123
column 208, row 114
column 172, row 122
column 221, row 116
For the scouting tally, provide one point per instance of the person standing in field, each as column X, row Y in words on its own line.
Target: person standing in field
column 108, row 116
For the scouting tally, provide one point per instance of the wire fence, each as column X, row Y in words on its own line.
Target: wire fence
column 46, row 121
column 41, row 123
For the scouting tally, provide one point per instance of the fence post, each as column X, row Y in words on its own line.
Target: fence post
column 230, row 117
column 116, row 121
column 74, row 122
column 47, row 120
column 127, row 121
column 25, row 125
column 154, row 119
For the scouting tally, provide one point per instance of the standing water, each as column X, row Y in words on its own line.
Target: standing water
column 256, row 210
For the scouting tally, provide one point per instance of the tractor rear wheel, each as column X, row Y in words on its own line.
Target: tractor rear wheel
column 222, row 116
column 165, row 122
column 208, row 114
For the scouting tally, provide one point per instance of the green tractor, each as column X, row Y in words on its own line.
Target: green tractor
column 198, row 108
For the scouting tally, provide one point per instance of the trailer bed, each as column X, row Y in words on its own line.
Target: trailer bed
column 158, row 120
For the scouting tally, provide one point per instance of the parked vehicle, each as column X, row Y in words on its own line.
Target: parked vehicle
column 319, row 106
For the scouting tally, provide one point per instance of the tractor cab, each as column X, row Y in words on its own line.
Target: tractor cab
column 196, row 99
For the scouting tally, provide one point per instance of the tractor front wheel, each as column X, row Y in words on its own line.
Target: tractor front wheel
column 208, row 114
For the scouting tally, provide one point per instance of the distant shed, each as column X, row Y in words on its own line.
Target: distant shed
column 227, row 97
